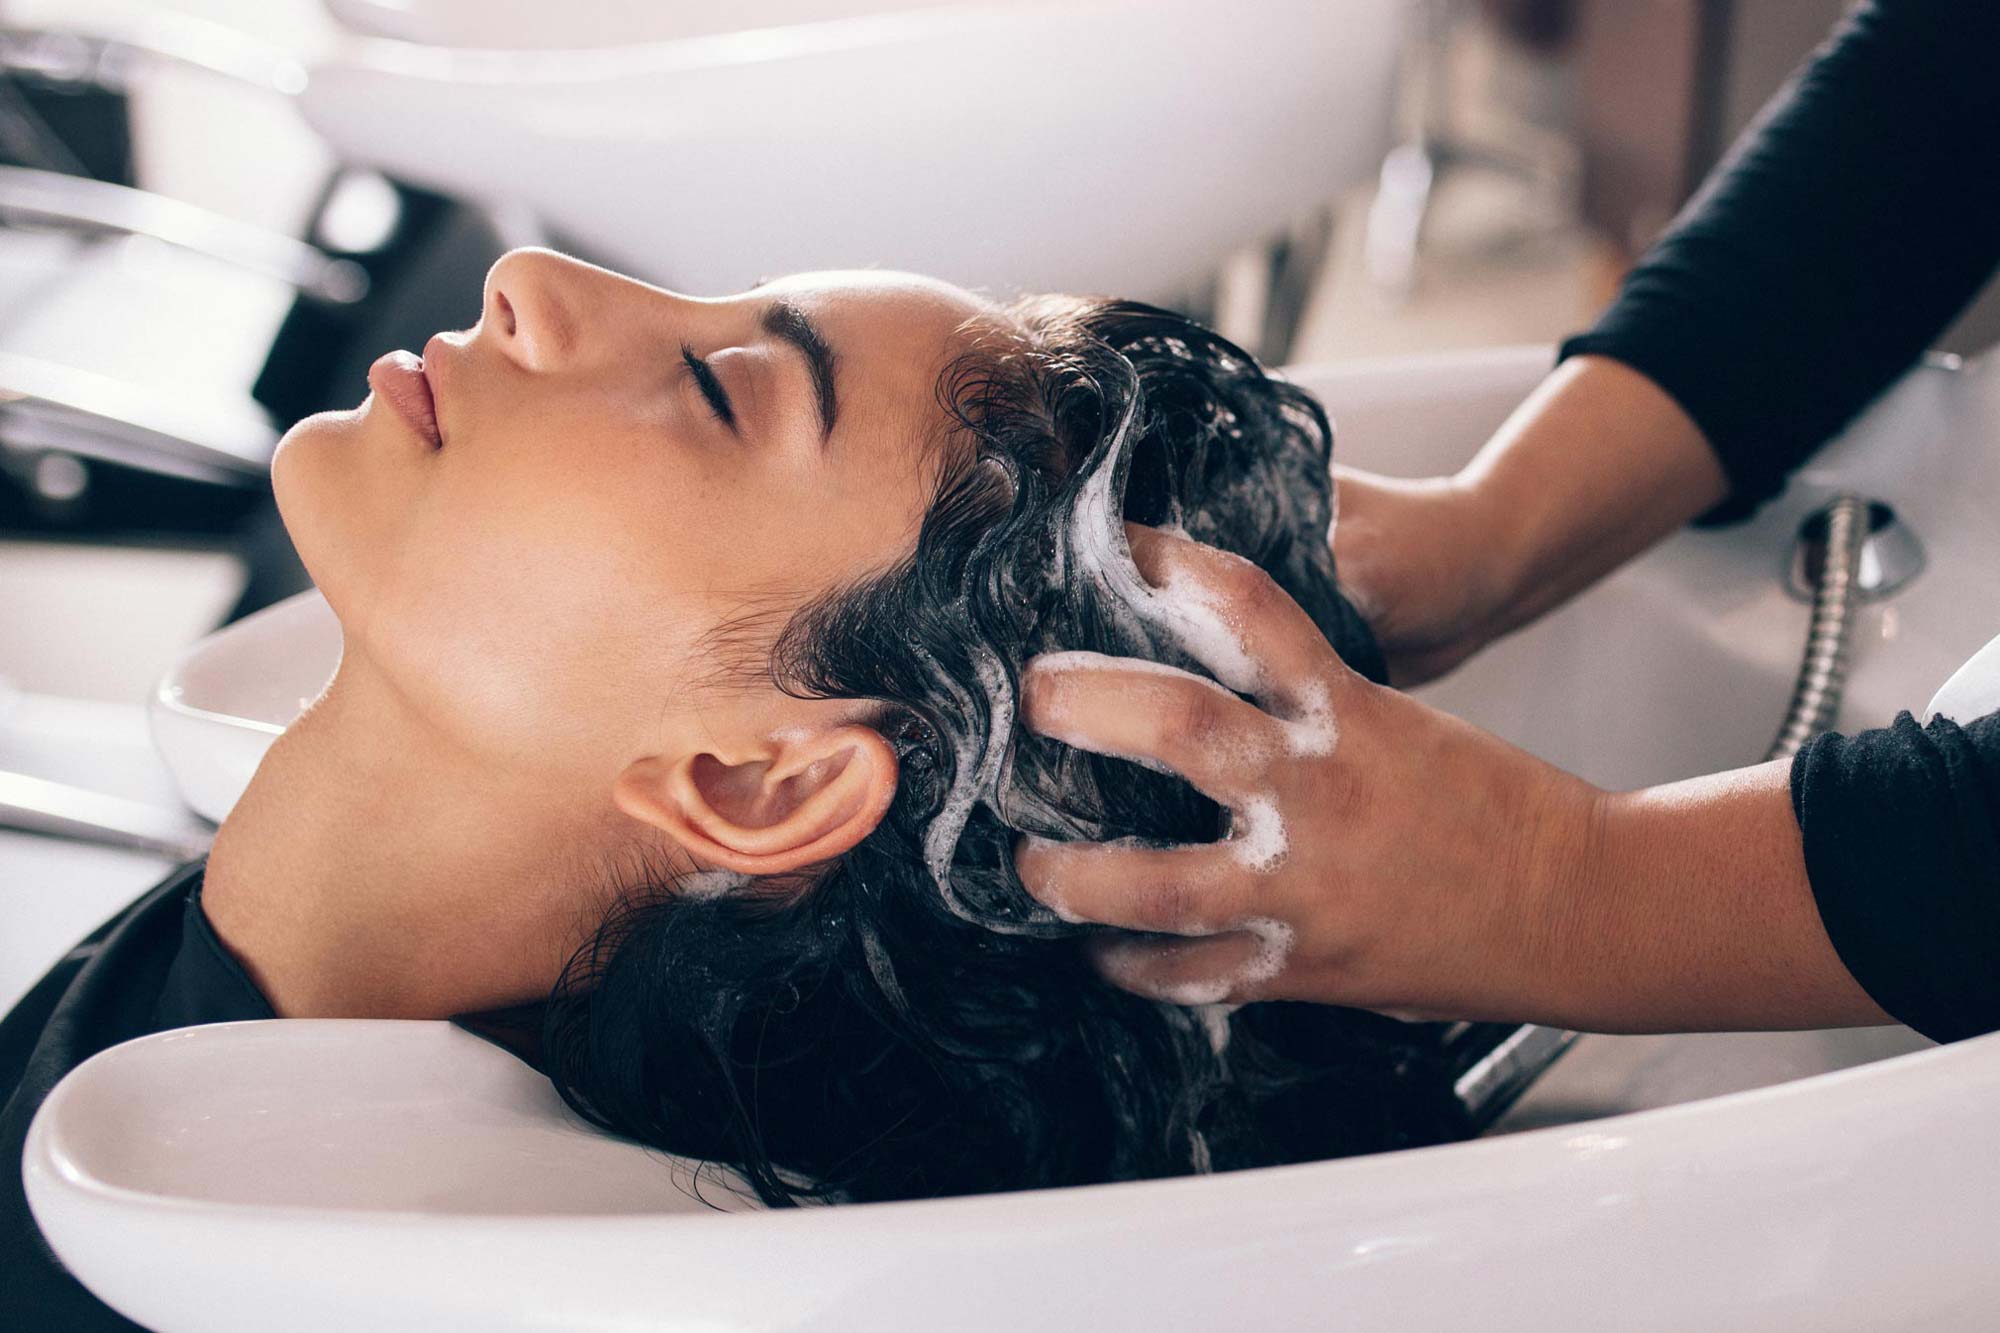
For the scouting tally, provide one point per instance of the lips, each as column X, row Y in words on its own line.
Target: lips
column 399, row 379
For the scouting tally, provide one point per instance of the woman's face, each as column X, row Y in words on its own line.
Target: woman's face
column 604, row 523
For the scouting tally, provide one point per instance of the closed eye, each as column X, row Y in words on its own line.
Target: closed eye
column 711, row 388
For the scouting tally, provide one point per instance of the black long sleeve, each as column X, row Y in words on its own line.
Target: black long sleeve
column 1842, row 235
column 1902, row 837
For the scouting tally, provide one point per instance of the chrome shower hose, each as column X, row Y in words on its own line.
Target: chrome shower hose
column 1823, row 670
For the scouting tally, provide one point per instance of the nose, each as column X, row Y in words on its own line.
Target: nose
column 533, row 306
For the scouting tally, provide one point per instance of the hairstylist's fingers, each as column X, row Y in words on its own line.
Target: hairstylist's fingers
column 1213, row 969
column 1192, row 890
column 1242, row 625
column 1149, row 713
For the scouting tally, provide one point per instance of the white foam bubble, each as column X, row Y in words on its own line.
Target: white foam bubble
column 1313, row 733
column 1214, row 1019
column 1183, row 608
column 977, row 769
column 703, row 885
column 1199, row 623
column 1257, row 834
column 1274, row 949
column 1333, row 495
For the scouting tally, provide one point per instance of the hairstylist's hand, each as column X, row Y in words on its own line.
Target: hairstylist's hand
column 1415, row 557
column 1387, row 856
column 1382, row 854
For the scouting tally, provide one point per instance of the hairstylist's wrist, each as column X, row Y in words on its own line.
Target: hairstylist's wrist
column 1692, row 911
column 1594, row 467
column 1499, row 541
column 1521, row 534
column 1558, row 865
column 1560, row 908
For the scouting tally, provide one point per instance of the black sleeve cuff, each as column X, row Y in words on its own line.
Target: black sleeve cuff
column 1902, row 846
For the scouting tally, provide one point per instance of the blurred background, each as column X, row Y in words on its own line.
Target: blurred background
column 215, row 213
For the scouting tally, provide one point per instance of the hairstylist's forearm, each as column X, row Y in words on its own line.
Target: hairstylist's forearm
column 1597, row 465
column 1691, row 911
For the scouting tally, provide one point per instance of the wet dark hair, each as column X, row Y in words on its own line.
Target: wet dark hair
column 912, row 1023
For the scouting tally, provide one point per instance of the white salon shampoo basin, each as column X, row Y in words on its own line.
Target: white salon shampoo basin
column 217, row 712
column 1974, row 689
column 330, row 1176
column 1041, row 145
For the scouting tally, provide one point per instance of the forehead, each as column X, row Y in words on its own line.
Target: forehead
column 861, row 288
column 890, row 333
column 898, row 313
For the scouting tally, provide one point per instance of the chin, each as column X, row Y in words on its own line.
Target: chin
column 305, row 439
column 307, row 482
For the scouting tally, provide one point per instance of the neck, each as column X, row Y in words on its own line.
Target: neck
column 373, row 870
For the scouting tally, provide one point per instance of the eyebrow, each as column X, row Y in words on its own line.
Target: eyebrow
column 785, row 319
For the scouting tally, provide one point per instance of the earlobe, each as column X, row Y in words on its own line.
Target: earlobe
column 785, row 805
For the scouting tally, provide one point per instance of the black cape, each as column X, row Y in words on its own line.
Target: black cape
column 154, row 966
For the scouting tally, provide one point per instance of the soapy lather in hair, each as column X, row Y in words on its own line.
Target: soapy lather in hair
column 907, row 1021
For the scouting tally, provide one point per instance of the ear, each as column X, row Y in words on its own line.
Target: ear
column 778, row 805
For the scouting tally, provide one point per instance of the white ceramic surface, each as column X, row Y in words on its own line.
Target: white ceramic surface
column 520, row 25
column 1070, row 145
column 1974, row 691
column 434, row 1192
column 223, row 704
column 355, row 1175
